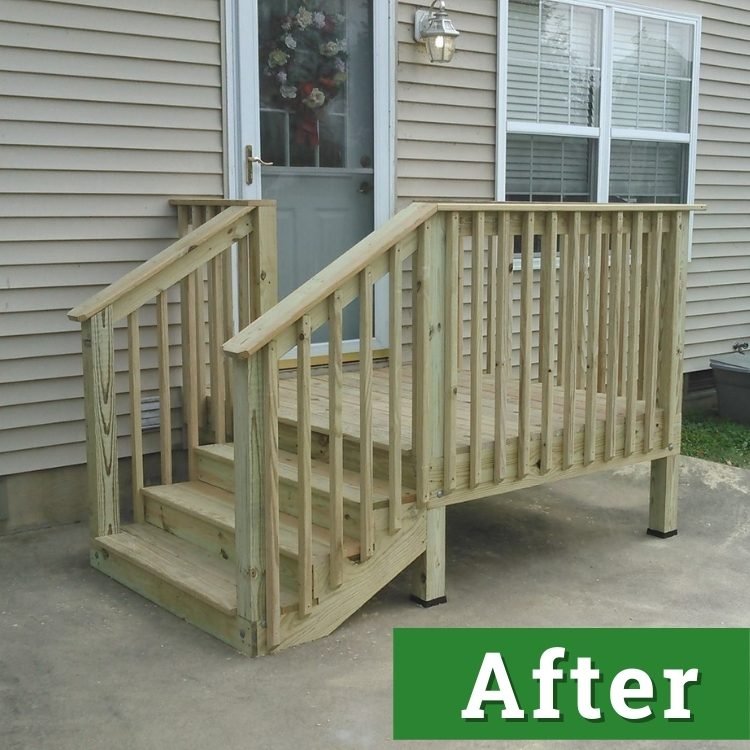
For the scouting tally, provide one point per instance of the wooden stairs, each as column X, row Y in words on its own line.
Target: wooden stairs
column 182, row 556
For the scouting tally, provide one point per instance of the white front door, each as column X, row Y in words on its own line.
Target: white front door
column 306, row 82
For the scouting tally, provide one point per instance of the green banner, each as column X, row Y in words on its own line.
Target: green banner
column 661, row 684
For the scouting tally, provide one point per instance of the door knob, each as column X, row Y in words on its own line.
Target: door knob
column 365, row 187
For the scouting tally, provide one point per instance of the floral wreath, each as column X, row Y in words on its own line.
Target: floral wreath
column 306, row 60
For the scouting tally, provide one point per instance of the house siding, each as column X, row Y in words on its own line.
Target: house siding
column 447, row 135
column 106, row 110
column 109, row 108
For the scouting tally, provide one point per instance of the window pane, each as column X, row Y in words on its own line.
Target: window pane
column 554, row 69
column 652, row 69
column 647, row 172
column 541, row 168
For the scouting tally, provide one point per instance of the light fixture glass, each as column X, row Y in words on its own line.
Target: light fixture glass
column 436, row 30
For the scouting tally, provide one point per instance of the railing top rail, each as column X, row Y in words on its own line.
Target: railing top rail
column 525, row 207
column 144, row 274
column 289, row 310
column 199, row 200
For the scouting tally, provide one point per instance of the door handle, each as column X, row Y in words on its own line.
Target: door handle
column 365, row 187
column 251, row 160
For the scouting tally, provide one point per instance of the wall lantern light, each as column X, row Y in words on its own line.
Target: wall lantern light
column 435, row 29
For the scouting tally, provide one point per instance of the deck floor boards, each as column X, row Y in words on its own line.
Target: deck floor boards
column 319, row 401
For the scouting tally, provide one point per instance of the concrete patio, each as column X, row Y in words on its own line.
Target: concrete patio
column 78, row 651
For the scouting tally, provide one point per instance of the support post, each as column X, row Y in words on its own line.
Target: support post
column 101, row 423
column 428, row 586
column 665, row 471
column 662, row 517
column 249, row 473
column 429, row 375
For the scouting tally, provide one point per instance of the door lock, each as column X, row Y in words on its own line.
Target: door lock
column 365, row 187
column 251, row 160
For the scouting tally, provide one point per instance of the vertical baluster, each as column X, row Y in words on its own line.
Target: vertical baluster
column 271, row 495
column 136, row 427
column 547, row 338
column 476, row 369
column 604, row 286
column 304, row 467
column 653, row 323
column 165, row 395
column 524, row 388
column 613, row 362
column 503, row 344
column 453, row 335
column 583, row 296
column 190, row 367
column 593, row 366
column 244, row 287
column 367, row 519
column 394, row 390
column 573, row 281
column 228, row 299
column 634, row 328
column 492, row 256
column 336, row 439
column 624, row 344
column 201, row 356
column 183, row 220
column 562, row 301
column 216, row 356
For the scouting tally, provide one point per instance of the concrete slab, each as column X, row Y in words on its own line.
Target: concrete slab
column 84, row 663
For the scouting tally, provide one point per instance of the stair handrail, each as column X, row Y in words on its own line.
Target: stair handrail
column 161, row 271
column 340, row 271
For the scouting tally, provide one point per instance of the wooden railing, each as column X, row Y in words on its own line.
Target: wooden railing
column 581, row 305
column 171, row 287
column 578, row 306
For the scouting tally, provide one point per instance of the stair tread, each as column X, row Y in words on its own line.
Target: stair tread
column 182, row 565
column 178, row 562
column 198, row 499
column 319, row 475
column 216, row 506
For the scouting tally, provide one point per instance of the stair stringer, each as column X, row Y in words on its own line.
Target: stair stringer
column 362, row 581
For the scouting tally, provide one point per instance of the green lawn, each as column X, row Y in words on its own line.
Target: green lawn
column 717, row 440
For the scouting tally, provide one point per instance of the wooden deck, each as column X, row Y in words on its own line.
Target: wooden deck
column 339, row 477
column 351, row 397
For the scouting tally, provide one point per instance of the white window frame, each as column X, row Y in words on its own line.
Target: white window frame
column 604, row 133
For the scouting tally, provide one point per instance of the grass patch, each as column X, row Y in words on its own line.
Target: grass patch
column 715, row 439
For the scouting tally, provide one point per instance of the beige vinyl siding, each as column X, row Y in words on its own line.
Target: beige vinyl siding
column 446, row 148
column 446, row 113
column 718, row 309
column 106, row 110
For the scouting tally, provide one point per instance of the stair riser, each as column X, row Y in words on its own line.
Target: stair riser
column 319, row 443
column 220, row 473
column 173, row 599
column 217, row 541
column 215, row 471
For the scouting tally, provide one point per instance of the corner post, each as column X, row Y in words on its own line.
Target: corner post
column 99, row 395
column 250, row 433
column 428, row 588
column 665, row 471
